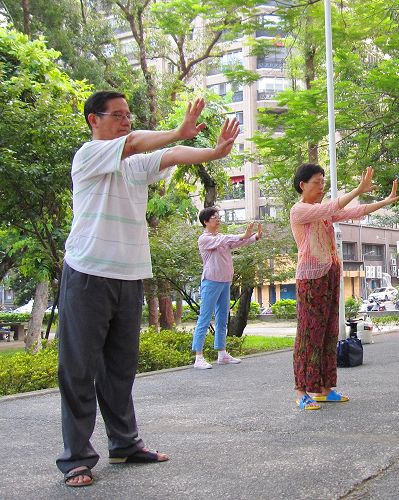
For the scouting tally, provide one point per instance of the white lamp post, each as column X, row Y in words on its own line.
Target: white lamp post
column 332, row 152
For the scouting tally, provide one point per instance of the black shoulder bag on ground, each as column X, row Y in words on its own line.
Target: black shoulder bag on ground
column 349, row 352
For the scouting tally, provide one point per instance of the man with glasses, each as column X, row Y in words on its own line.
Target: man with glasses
column 107, row 257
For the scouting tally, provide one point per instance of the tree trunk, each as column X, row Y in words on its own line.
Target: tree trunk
column 239, row 321
column 33, row 337
column 26, row 16
column 153, row 312
column 209, row 185
column 152, row 303
column 310, row 75
column 179, row 310
column 167, row 318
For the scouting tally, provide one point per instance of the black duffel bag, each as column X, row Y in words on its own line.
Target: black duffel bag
column 349, row 352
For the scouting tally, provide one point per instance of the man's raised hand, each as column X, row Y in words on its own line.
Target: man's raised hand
column 189, row 128
column 393, row 194
column 228, row 135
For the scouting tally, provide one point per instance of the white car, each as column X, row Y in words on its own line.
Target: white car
column 384, row 293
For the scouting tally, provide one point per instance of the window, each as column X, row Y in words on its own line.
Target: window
column 373, row 252
column 233, row 215
column 274, row 60
column 223, row 88
column 269, row 86
column 238, row 148
column 216, row 65
column 240, row 116
column 349, row 251
column 268, row 26
column 267, row 211
column 233, row 57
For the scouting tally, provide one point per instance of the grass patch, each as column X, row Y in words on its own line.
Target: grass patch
column 255, row 343
column 10, row 351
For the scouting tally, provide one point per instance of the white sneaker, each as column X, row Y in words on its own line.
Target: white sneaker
column 202, row 364
column 227, row 359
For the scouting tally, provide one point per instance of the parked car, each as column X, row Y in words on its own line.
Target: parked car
column 384, row 293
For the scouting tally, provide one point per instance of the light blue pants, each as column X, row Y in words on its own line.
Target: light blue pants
column 215, row 296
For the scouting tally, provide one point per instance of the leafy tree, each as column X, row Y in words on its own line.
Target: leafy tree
column 42, row 125
column 365, row 62
column 183, row 33
column 267, row 260
column 80, row 31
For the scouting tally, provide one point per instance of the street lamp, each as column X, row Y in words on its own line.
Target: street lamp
column 333, row 155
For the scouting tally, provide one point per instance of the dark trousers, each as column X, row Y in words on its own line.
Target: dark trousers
column 99, row 328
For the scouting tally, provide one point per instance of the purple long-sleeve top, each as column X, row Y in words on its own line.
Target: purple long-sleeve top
column 215, row 250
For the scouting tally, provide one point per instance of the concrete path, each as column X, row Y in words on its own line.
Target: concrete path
column 232, row 432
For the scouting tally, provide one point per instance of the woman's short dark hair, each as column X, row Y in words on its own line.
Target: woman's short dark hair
column 206, row 214
column 305, row 172
column 97, row 102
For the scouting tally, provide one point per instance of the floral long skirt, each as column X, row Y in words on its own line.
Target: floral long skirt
column 315, row 351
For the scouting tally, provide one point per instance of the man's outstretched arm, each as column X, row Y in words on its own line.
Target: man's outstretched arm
column 143, row 141
column 185, row 155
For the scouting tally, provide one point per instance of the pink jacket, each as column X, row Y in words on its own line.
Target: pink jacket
column 312, row 227
column 215, row 250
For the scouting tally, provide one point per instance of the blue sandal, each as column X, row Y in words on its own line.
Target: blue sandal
column 307, row 403
column 332, row 397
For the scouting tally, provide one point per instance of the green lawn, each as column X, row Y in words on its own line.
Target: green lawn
column 9, row 351
column 254, row 343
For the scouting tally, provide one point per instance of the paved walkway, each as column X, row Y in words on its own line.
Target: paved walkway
column 232, row 432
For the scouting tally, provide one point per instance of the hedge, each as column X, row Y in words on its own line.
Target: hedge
column 23, row 371
column 284, row 309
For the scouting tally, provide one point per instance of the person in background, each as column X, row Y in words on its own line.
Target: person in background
column 215, row 250
column 107, row 257
column 318, row 281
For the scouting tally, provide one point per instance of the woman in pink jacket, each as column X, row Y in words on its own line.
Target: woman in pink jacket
column 217, row 274
column 318, row 281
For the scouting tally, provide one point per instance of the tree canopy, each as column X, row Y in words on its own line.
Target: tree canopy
column 41, row 127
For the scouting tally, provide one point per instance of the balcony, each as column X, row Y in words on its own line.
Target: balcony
column 349, row 257
column 265, row 95
column 264, row 63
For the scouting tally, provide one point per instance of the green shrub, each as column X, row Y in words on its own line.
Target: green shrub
column 352, row 307
column 144, row 314
column 284, row 309
column 46, row 318
column 10, row 317
column 188, row 314
column 254, row 309
column 385, row 320
column 25, row 371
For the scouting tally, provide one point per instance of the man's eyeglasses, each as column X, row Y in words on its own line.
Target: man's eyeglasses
column 118, row 116
column 217, row 217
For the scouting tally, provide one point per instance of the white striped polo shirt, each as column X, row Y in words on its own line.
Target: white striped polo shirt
column 109, row 235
